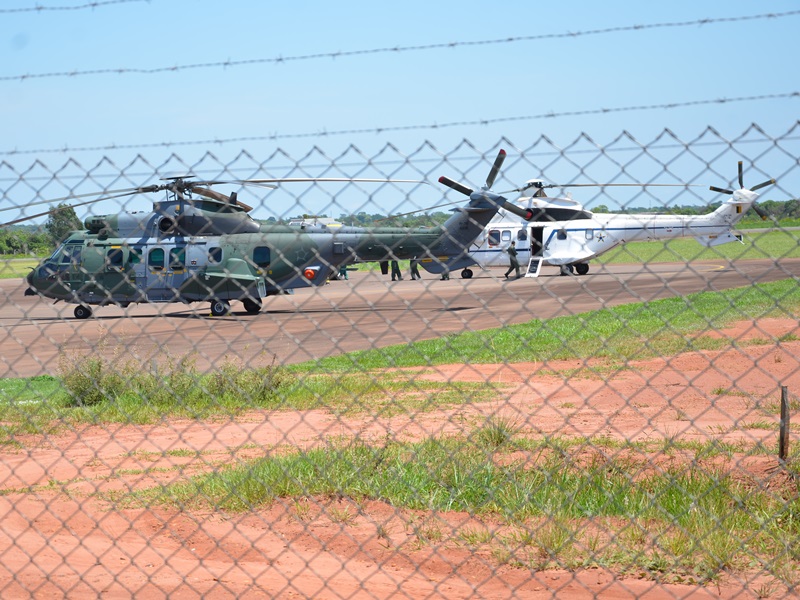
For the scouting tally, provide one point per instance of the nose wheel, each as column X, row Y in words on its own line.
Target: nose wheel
column 82, row 312
column 220, row 308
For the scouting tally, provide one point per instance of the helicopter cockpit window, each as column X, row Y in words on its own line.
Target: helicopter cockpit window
column 494, row 237
column 177, row 259
column 71, row 254
column 156, row 259
column 215, row 255
column 261, row 256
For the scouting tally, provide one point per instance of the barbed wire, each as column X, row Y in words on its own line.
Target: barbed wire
column 379, row 130
column 92, row 5
column 395, row 49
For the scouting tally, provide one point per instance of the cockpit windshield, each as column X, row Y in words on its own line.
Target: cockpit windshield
column 66, row 253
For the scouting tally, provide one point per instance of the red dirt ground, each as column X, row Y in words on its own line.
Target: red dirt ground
column 60, row 538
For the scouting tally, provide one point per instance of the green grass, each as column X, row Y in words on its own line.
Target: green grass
column 17, row 268
column 116, row 390
column 112, row 389
column 687, row 520
column 767, row 244
column 662, row 327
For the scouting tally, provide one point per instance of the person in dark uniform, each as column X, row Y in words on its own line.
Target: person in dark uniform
column 512, row 259
column 397, row 275
column 415, row 269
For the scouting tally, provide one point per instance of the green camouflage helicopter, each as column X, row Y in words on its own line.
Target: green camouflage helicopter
column 200, row 245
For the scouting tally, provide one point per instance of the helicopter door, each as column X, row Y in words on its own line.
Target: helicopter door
column 156, row 272
column 537, row 241
column 176, row 272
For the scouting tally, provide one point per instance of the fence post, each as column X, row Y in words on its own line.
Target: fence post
column 783, row 441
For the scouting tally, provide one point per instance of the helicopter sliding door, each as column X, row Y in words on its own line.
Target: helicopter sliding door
column 166, row 272
column 169, row 267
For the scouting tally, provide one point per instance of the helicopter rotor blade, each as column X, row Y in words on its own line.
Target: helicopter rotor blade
column 762, row 184
column 741, row 175
column 498, row 163
column 760, row 211
column 459, row 187
column 265, row 182
column 565, row 185
column 53, row 210
column 419, row 210
column 103, row 196
column 232, row 182
column 720, row 190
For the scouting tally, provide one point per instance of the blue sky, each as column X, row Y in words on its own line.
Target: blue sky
column 463, row 83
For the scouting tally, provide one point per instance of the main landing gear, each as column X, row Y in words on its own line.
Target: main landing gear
column 466, row 274
column 220, row 308
column 580, row 269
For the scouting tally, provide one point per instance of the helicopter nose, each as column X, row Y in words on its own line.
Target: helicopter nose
column 29, row 278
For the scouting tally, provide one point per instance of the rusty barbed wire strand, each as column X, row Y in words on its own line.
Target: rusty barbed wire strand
column 92, row 5
column 379, row 130
column 394, row 49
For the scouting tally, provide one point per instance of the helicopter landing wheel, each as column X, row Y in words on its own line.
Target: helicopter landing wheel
column 219, row 308
column 252, row 307
column 582, row 268
column 82, row 312
column 466, row 274
column 567, row 270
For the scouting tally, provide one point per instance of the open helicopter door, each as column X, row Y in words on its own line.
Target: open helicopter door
column 535, row 262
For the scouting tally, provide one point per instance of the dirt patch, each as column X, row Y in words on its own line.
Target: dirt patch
column 63, row 535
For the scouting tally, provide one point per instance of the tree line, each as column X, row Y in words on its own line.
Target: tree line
column 27, row 240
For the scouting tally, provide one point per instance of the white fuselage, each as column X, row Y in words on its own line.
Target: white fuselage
column 582, row 238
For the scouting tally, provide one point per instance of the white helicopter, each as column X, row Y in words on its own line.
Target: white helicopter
column 561, row 232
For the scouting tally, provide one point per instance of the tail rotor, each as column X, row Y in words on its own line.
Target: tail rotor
column 758, row 210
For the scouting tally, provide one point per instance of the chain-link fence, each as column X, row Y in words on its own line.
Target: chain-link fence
column 621, row 432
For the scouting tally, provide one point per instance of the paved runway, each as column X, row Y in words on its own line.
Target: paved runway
column 367, row 311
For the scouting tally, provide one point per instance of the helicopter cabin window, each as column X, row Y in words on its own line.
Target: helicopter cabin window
column 114, row 259
column 562, row 234
column 261, row 256
column 522, row 235
column 72, row 254
column 494, row 237
column 135, row 255
column 590, row 234
column 156, row 259
column 177, row 259
column 215, row 255
column 506, row 236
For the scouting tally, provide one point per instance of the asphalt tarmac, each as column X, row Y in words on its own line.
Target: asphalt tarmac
column 366, row 311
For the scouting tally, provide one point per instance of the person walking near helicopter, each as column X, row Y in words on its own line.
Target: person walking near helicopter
column 512, row 259
column 415, row 268
column 396, row 273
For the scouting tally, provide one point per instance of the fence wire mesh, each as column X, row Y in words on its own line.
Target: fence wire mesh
column 620, row 433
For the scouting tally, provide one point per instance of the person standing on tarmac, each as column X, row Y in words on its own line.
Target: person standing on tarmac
column 512, row 259
column 397, row 275
column 415, row 269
